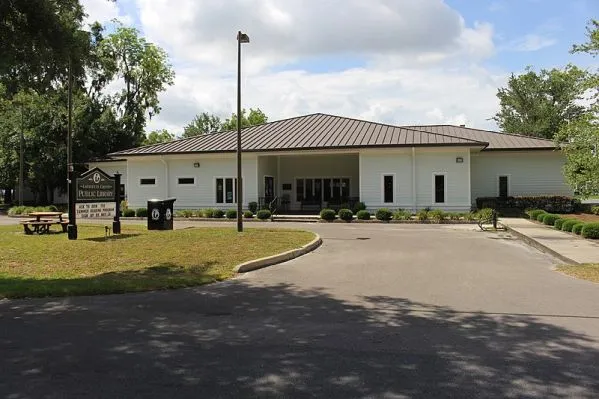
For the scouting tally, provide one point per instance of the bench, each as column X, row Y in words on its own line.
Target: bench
column 42, row 226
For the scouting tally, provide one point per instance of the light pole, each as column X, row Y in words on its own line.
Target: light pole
column 72, row 226
column 241, row 38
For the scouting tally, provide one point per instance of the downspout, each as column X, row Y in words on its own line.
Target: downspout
column 414, row 179
column 470, row 177
column 165, row 176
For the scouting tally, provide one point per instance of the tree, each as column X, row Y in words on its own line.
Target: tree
column 255, row 117
column 579, row 139
column 37, row 37
column 158, row 136
column 202, row 124
column 540, row 104
column 145, row 72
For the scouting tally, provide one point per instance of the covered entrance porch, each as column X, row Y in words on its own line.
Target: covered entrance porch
column 308, row 183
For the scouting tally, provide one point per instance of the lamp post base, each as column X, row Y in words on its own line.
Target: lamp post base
column 72, row 231
column 116, row 227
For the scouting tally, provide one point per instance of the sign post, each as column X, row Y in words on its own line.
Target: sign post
column 97, row 195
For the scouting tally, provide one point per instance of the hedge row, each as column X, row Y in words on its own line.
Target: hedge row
column 26, row 210
column 205, row 213
column 384, row 214
column 552, row 204
column 587, row 230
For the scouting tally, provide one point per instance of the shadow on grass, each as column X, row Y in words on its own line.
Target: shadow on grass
column 238, row 339
column 114, row 237
column 158, row 277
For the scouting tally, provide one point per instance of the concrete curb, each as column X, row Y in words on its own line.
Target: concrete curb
column 279, row 258
column 535, row 244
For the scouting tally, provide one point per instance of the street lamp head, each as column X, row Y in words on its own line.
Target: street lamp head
column 242, row 37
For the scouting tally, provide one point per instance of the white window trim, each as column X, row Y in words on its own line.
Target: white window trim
column 509, row 183
column 147, row 185
column 383, row 188
column 444, row 174
column 224, row 190
column 186, row 177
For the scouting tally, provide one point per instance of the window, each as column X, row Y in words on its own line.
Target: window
column 299, row 190
column 439, row 188
column 503, row 186
column 226, row 190
column 186, row 181
column 388, row 194
column 147, row 181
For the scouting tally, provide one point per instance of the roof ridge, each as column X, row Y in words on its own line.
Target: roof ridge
column 485, row 130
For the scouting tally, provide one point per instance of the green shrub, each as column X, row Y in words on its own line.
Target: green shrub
column 52, row 208
column 569, row 224
column 550, row 218
column 207, row 213
column 363, row 215
column 384, row 214
column 263, row 214
column 141, row 212
column 422, row 215
column 541, row 216
column 402, row 215
column 554, row 203
column 359, row 206
column 16, row 210
column 327, row 214
column 469, row 216
column 248, row 214
column 595, row 210
column 346, row 214
column 577, row 228
column 231, row 214
column 185, row 213
column 559, row 222
column 534, row 214
column 484, row 214
column 253, row 207
column 590, row 230
column 129, row 213
column 453, row 215
column 218, row 213
column 437, row 215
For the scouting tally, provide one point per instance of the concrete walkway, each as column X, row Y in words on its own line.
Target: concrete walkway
column 565, row 246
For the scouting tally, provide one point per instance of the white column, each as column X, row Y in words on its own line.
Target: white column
column 414, row 205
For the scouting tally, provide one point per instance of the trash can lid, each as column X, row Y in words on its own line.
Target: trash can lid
column 154, row 200
column 171, row 199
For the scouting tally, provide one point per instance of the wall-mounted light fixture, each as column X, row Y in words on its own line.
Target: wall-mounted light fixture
column 196, row 164
column 459, row 160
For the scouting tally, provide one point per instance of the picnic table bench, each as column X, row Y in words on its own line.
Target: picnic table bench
column 42, row 222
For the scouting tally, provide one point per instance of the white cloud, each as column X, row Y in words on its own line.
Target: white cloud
column 418, row 60
column 103, row 11
column 531, row 42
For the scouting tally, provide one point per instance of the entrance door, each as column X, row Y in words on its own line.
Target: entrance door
column 269, row 187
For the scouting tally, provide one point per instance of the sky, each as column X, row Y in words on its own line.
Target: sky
column 393, row 61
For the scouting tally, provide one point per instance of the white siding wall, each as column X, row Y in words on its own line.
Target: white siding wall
column 376, row 163
column 202, row 194
column 267, row 166
column 530, row 173
column 138, row 195
column 457, row 187
column 333, row 165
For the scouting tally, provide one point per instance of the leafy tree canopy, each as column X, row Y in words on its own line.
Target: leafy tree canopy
column 539, row 104
column 158, row 136
column 203, row 123
column 255, row 117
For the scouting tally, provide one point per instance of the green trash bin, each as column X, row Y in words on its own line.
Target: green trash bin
column 160, row 214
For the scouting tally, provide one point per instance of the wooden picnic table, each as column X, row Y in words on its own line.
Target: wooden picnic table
column 42, row 222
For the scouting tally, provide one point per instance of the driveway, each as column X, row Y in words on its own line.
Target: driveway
column 387, row 311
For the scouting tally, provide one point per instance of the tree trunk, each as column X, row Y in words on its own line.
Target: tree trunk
column 8, row 195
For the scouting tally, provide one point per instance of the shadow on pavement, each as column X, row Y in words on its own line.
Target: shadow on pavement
column 238, row 340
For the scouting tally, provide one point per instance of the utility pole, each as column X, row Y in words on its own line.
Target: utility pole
column 21, row 160
column 72, row 226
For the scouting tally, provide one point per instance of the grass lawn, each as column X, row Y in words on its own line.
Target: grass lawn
column 138, row 260
column 589, row 271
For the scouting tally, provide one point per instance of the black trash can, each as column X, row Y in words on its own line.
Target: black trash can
column 160, row 214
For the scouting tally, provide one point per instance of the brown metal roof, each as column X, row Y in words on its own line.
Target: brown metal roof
column 496, row 140
column 321, row 131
